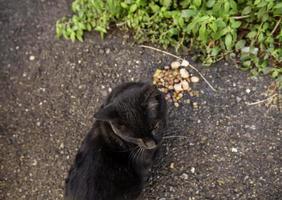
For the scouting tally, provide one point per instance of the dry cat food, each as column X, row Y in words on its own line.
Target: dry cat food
column 175, row 80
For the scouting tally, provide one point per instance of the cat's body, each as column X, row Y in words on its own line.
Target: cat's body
column 115, row 156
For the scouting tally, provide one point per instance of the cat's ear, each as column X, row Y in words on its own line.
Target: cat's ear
column 152, row 99
column 106, row 113
column 151, row 93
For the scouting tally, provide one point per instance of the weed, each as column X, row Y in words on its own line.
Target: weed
column 248, row 29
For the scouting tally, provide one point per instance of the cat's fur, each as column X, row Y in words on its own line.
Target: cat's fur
column 115, row 156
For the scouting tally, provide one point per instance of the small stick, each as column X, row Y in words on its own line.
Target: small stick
column 165, row 52
column 241, row 17
column 261, row 101
column 276, row 26
column 175, row 136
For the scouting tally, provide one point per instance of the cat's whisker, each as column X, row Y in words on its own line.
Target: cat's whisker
column 139, row 154
column 142, row 154
column 175, row 136
column 134, row 154
column 131, row 154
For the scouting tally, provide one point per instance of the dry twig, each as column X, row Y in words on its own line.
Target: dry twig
column 241, row 17
column 170, row 54
column 261, row 101
column 276, row 26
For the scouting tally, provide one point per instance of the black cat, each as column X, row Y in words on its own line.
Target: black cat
column 115, row 156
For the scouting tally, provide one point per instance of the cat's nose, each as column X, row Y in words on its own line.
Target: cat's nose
column 150, row 144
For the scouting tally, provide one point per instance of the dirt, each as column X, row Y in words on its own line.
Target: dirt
column 51, row 88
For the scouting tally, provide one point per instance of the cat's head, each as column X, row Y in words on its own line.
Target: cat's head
column 137, row 114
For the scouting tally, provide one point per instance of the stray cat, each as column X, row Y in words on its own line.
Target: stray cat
column 115, row 156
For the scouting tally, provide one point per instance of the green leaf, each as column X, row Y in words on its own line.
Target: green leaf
column 65, row 34
column 210, row 3
column 275, row 73
column 79, row 37
column 226, row 6
column 197, row 3
column 72, row 36
column 215, row 51
column 188, row 13
column 257, row 2
column 59, row 30
column 88, row 27
column 278, row 5
column 155, row 8
column 252, row 34
column 262, row 4
column 100, row 29
column 224, row 31
column 246, row 10
column 166, row 3
column 203, row 33
column 123, row 5
column 247, row 63
column 213, row 26
column 133, row 8
column 236, row 24
column 228, row 41
column 277, row 11
column 240, row 44
column 261, row 37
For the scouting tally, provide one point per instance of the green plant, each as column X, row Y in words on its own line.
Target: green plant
column 250, row 29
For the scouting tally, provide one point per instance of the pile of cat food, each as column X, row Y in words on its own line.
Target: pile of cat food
column 174, row 81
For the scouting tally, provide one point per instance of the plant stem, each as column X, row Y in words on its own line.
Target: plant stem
column 194, row 68
column 276, row 26
column 241, row 17
column 261, row 101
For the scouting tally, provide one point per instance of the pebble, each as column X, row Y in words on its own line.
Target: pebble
column 34, row 163
column 184, row 73
column 175, row 65
column 176, row 104
column 234, row 150
column 31, row 58
column 248, row 90
column 62, row 146
column 166, row 67
column 193, row 170
column 238, row 99
column 195, row 79
column 184, row 176
column 171, row 166
column 195, row 105
column 184, row 63
column 188, row 101
column 185, row 85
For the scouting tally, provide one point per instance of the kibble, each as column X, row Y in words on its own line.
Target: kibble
column 174, row 81
column 175, row 65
